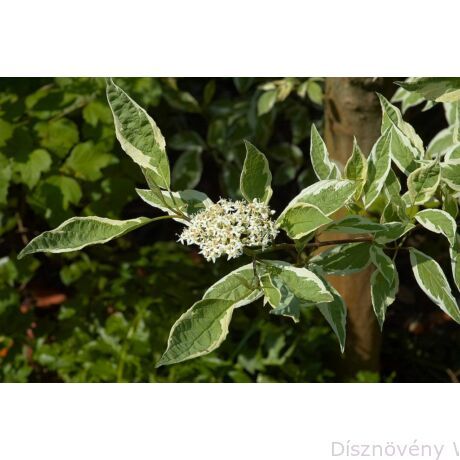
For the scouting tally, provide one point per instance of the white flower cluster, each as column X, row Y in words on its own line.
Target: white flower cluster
column 227, row 226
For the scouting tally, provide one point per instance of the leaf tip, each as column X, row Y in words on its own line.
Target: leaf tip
column 24, row 252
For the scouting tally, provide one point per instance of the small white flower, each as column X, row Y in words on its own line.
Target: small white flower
column 227, row 226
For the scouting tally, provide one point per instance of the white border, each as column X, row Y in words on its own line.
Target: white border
column 229, row 38
column 224, row 422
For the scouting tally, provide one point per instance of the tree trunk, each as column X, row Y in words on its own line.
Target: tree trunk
column 352, row 109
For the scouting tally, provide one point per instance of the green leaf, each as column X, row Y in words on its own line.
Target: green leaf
column 57, row 136
column 303, row 283
column 79, row 232
column 138, row 134
column 302, row 219
column 187, row 140
column 384, row 283
column 335, row 313
column 314, row 91
column 242, row 84
column 327, row 195
column 439, row 89
column 356, row 169
column 322, row 165
column 355, row 224
column 38, row 162
column 69, row 188
column 5, row 177
column 450, row 174
column 379, row 163
column 423, row 183
column 200, row 330
column 433, row 283
column 343, row 259
column 187, row 170
column 188, row 201
column 241, row 286
column 438, row 221
column 266, row 102
column 391, row 117
column 53, row 197
column 256, row 178
column 86, row 161
column 96, row 112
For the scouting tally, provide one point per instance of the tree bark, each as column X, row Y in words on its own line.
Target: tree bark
column 352, row 110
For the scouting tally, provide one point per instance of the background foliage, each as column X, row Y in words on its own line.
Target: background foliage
column 105, row 314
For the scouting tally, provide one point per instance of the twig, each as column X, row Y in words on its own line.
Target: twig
column 22, row 230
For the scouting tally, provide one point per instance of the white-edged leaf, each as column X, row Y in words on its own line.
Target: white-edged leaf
column 438, row 221
column 322, row 165
column 433, row 282
column 456, row 125
column 200, row 330
column 392, row 231
column 272, row 294
column 356, row 169
column 440, row 143
column 241, row 286
column 423, row 182
column 395, row 208
column 383, row 293
column 139, row 136
column 78, row 232
column 391, row 117
column 439, row 89
column 335, row 313
column 302, row 219
column 203, row 327
column 327, row 195
column 402, row 152
column 288, row 304
column 450, row 111
column 303, row 283
column 383, row 263
column 449, row 201
column 450, row 174
column 355, row 225
column 452, row 153
column 392, row 186
column 407, row 99
column 256, row 178
column 455, row 260
column 343, row 259
column 379, row 163
column 188, row 202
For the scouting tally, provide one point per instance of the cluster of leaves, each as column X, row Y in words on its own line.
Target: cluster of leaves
column 115, row 321
column 59, row 158
column 365, row 187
